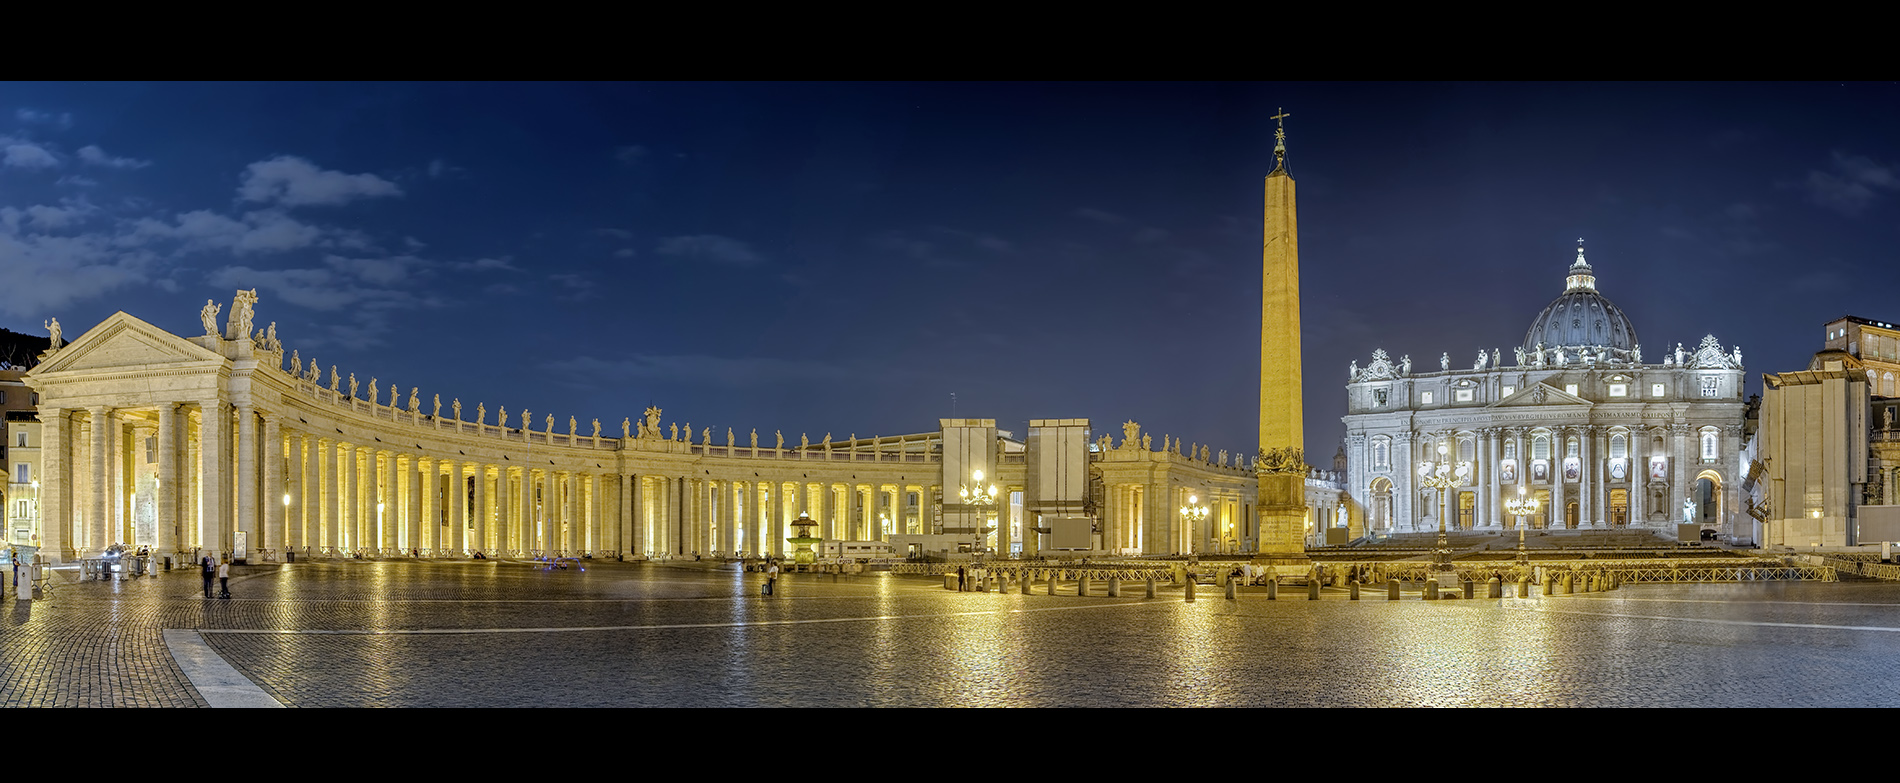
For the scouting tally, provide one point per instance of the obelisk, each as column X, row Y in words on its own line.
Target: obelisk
column 1281, row 468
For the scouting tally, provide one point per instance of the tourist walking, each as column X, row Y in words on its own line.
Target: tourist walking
column 224, row 579
column 209, row 568
column 771, row 577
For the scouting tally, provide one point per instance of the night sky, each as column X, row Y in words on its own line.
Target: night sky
column 843, row 258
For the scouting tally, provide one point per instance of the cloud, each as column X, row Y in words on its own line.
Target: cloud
column 56, row 218
column 440, row 168
column 504, row 263
column 61, row 120
column 91, row 154
column 295, row 182
column 262, row 231
column 1852, row 186
column 630, row 154
column 367, row 288
column 27, row 155
column 711, row 247
column 49, row 272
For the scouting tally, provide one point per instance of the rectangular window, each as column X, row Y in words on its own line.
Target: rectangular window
column 1570, row 389
column 1619, row 390
column 1509, row 390
column 1462, row 395
column 1655, row 390
column 20, row 439
column 151, row 450
column 23, row 473
column 1425, row 397
column 1710, row 386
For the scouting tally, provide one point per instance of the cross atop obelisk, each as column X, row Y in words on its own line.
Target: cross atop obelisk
column 1279, row 140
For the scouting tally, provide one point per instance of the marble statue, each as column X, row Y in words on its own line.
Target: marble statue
column 1223, row 458
column 1678, row 354
column 315, row 374
column 1558, row 354
column 803, row 442
column 728, row 437
column 52, row 329
column 456, row 406
column 481, row 414
column 270, row 340
column 240, row 322
column 436, row 412
column 653, row 419
column 705, row 436
column 1352, row 370
column 210, row 317
column 1204, row 454
column 1537, row 359
column 689, row 432
column 335, row 379
column 1738, row 356
column 352, row 386
column 1520, row 355
column 1165, row 441
column 527, row 420
column 597, row 428
column 626, row 428
column 1130, row 431
column 501, row 418
column 1636, row 354
column 1890, row 410
column 755, row 437
column 296, row 363
column 1147, row 443
column 675, row 429
column 780, row 434
column 1497, row 358
column 1444, row 362
column 1482, row 356
column 1405, row 364
column 827, row 441
column 548, row 426
column 415, row 401
column 372, row 391
column 573, row 426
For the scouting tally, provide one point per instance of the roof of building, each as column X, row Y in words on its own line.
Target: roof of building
column 1581, row 317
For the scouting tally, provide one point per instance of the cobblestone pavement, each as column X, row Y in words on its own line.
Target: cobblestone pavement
column 494, row 634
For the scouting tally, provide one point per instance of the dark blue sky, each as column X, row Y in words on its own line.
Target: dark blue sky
column 842, row 258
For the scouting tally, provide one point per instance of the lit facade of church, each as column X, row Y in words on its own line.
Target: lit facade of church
column 1580, row 422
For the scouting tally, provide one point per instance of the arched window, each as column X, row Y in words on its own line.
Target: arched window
column 1570, row 447
column 1466, row 450
column 1381, row 453
column 1710, row 444
column 1540, row 447
column 1619, row 446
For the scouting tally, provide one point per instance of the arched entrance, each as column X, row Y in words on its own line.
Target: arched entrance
column 1707, row 496
column 1381, row 505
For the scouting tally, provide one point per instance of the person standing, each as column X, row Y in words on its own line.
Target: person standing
column 209, row 568
column 771, row 577
column 224, row 577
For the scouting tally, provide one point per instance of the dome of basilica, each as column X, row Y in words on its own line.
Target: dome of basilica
column 1581, row 318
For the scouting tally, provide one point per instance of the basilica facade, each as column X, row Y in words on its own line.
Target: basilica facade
column 1579, row 421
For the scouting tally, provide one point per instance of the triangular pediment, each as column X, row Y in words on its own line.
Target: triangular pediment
column 1537, row 395
column 123, row 342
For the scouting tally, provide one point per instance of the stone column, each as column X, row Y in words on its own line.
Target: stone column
column 550, row 512
column 214, row 476
column 1600, row 475
column 1679, row 472
column 412, row 505
column 1404, row 486
column 166, row 505
column 1585, row 517
column 482, row 514
column 272, row 455
column 96, row 527
column 528, row 529
column 457, row 500
column 55, row 489
column 309, row 524
column 1559, row 518
column 629, row 543
column 504, row 511
column 247, row 499
column 348, row 488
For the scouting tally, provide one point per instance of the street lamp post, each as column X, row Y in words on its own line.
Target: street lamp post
column 1442, row 475
column 1194, row 514
column 982, row 498
column 1520, row 507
